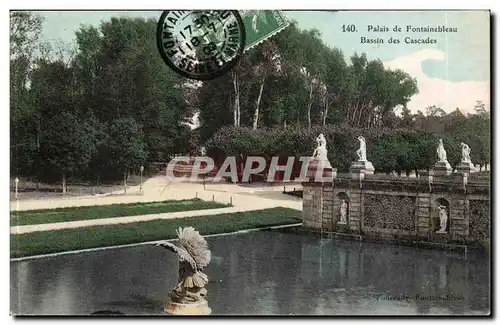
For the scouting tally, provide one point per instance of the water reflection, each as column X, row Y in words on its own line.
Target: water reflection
column 274, row 273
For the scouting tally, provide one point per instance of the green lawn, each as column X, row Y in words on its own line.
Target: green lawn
column 33, row 217
column 100, row 236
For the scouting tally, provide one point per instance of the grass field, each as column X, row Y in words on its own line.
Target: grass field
column 33, row 217
column 46, row 242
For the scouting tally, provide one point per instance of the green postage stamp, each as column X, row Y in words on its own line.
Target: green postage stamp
column 261, row 25
column 205, row 44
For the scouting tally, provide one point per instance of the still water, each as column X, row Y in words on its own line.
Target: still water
column 261, row 273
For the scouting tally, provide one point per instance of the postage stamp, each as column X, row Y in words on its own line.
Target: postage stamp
column 261, row 25
column 201, row 44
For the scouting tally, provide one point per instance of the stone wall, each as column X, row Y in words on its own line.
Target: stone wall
column 401, row 209
column 312, row 207
column 479, row 219
column 390, row 212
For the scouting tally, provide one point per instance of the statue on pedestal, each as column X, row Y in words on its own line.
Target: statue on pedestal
column 362, row 166
column 443, row 219
column 442, row 167
column 441, row 152
column 319, row 167
column 188, row 295
column 361, row 152
column 466, row 166
column 343, row 212
column 320, row 153
column 465, row 153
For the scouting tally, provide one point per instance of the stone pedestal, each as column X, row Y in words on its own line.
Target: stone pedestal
column 426, row 176
column 327, row 211
column 359, row 169
column 312, row 205
column 199, row 308
column 342, row 227
column 355, row 209
column 458, row 218
column 442, row 168
column 466, row 168
column 424, row 220
column 328, row 175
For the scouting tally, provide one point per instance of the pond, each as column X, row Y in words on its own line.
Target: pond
column 261, row 273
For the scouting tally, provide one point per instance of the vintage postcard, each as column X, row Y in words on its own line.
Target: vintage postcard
column 250, row 162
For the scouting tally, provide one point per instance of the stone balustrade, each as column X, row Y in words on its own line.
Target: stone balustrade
column 402, row 209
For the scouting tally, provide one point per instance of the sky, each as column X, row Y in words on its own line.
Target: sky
column 453, row 72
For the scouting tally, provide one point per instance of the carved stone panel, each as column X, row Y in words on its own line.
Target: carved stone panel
column 389, row 212
column 479, row 218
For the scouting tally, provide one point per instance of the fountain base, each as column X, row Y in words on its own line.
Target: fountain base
column 199, row 308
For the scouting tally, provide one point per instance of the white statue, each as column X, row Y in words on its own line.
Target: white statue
column 343, row 212
column 443, row 219
column 320, row 153
column 319, row 164
column 465, row 153
column 361, row 152
column 441, row 152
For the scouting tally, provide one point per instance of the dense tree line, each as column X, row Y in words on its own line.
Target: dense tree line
column 96, row 112
column 294, row 79
column 111, row 104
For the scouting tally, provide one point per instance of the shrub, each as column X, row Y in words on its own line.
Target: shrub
column 387, row 149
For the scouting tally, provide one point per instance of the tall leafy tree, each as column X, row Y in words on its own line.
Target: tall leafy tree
column 25, row 30
column 124, row 77
column 125, row 145
column 67, row 139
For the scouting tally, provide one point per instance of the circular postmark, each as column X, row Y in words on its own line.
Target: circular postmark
column 202, row 44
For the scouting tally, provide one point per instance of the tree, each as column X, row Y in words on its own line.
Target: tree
column 122, row 76
column 434, row 111
column 267, row 63
column 314, row 86
column 25, row 29
column 373, row 92
column 68, row 145
column 66, row 139
column 126, row 146
column 481, row 110
column 334, row 81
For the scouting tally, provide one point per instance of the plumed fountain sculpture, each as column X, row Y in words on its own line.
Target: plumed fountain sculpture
column 188, row 295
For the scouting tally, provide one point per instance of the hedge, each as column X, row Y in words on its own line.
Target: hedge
column 388, row 149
